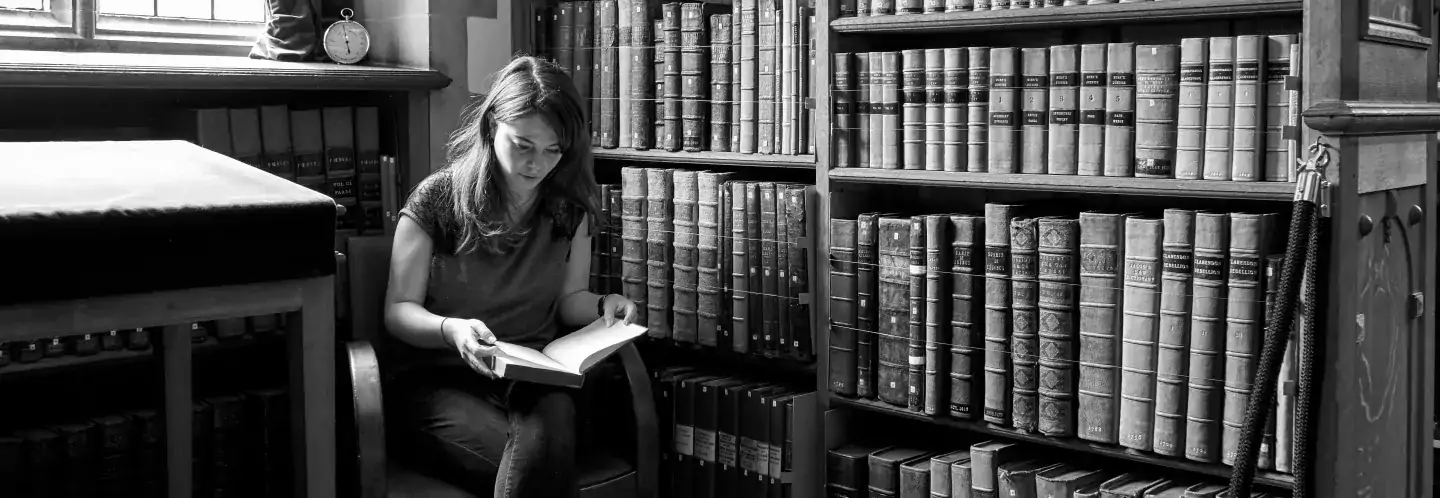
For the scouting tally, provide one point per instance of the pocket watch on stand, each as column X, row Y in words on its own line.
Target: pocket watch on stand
column 346, row 41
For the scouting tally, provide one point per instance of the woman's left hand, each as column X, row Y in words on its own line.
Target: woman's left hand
column 617, row 305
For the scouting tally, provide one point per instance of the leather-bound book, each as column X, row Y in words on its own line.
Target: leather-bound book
column 938, row 239
column 754, row 242
column 43, row 455
column 915, row 478
column 727, row 439
column 659, row 235
column 1065, row 480
column 740, row 293
column 1246, row 144
column 867, row 306
column 848, row 470
column 962, row 478
column 243, row 144
column 1102, row 258
column 624, row 65
column 848, row 8
column 891, row 129
column 769, row 271
column 842, row 329
column 1059, row 277
column 1143, row 241
column 998, row 316
column 1173, row 341
column 940, row 471
column 1250, row 237
column 710, row 280
column 721, row 81
column 597, row 75
column 1219, row 108
column 892, row 370
column 367, row 165
column 1064, row 107
column 278, row 158
column 1120, row 109
column 114, row 455
column 89, row 344
column 1090, row 491
column 734, row 68
column 617, row 242
column 633, row 267
column 306, row 135
column 1279, row 106
column 77, row 459
column 1003, row 134
column 607, row 77
column 670, row 111
column 796, row 207
column 977, row 108
column 725, row 260
column 583, row 63
column 1017, row 478
column 934, row 120
column 884, row 479
column 749, row 76
column 709, row 407
column 909, row 6
column 780, row 345
column 1034, row 104
column 967, row 338
column 766, row 69
column 686, row 391
column 959, row 5
column 565, row 38
column 915, row 331
column 1024, row 327
column 1205, row 490
column 882, row 7
column 912, row 109
column 694, row 77
column 863, row 124
column 642, row 76
column 844, row 94
column 1171, row 489
column 1132, row 485
column 876, row 127
column 657, row 29
column 957, row 97
column 1203, row 400
column 1190, row 113
column 1286, row 385
column 30, row 352
column 600, row 245
column 684, row 268
column 1090, row 159
column 339, row 136
column 986, row 458
column 1157, row 75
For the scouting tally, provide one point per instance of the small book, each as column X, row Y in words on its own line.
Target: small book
column 564, row 361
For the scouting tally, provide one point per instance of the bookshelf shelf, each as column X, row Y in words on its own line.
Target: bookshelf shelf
column 1065, row 17
column 35, row 68
column 1268, row 191
column 120, row 357
column 716, row 158
column 1261, row 477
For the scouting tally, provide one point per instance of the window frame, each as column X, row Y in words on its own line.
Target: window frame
column 77, row 25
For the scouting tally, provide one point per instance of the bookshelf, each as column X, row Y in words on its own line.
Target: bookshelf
column 706, row 158
column 1063, row 17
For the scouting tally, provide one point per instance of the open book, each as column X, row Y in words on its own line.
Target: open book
column 564, row 361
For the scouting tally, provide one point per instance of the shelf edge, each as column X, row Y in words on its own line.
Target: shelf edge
column 1077, row 15
column 1265, row 191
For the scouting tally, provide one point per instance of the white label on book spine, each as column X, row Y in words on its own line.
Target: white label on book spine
column 705, row 445
column 684, row 440
column 727, row 453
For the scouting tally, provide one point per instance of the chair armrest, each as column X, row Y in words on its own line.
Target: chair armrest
column 647, row 431
column 369, row 418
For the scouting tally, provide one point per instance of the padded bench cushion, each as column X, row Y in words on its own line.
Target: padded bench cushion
column 87, row 219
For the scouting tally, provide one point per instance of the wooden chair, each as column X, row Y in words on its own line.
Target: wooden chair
column 602, row 475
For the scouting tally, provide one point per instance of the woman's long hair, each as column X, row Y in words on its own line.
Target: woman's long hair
column 524, row 87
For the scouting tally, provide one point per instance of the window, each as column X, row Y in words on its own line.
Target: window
column 212, row 27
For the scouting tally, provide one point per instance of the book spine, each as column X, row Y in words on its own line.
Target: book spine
column 1274, row 264
column 1207, row 330
column 1246, row 154
column 754, row 259
column 977, row 119
column 780, row 345
column 597, row 76
column 863, row 145
column 843, row 94
column 616, row 239
column 684, row 266
column 1034, row 104
column 1059, row 279
column 1120, row 109
column 672, row 77
column 724, row 260
column 1190, row 120
column 749, row 75
column 894, row 315
column 1003, row 132
column 967, row 360
column 598, row 247
column 707, row 242
column 623, row 71
column 956, row 80
column 609, row 75
column 657, row 29
column 786, row 113
column 1177, row 255
column 1249, row 241
column 694, row 81
column 1219, row 108
column 1157, row 75
column 959, row 5
column 659, row 219
column 882, row 7
column 876, row 100
column 915, row 334
column 1101, row 264
column 1277, row 107
column 997, row 312
column 633, row 259
column 1025, row 317
column 740, row 321
column 642, row 77
column 938, row 237
column 842, row 307
column 734, row 68
column 765, row 86
column 912, row 118
column 720, row 82
column 584, row 58
column 891, row 131
column 1064, row 109
column 1286, row 388
column 802, row 343
column 565, row 38
column 1090, row 160
column 770, row 276
column 867, row 261
column 1143, row 240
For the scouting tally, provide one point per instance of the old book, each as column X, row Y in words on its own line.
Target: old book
column 940, row 472
column 607, row 77
column 754, row 259
column 597, row 76
column 986, row 458
column 867, row 294
column 1143, row 240
column 1102, row 258
column 1017, row 478
column 1250, row 236
column 725, row 258
column 770, row 272
column 863, row 121
column 1034, row 104
column 1120, row 109
column 615, row 229
column 1286, row 389
column 598, row 247
column 938, row 239
column 720, row 81
column 671, row 78
column 766, row 60
column 966, row 362
column 694, row 77
column 934, row 107
column 915, row 329
column 583, row 64
column 1205, row 490
column 885, row 464
column 892, row 379
column 622, row 76
column 1246, row 144
column 962, row 477
column 641, row 76
column 1157, row 74
column 708, row 408
column 1173, row 341
column 734, row 41
column 843, row 93
column 1191, row 109
column 279, row 157
column 367, row 166
column 997, row 311
column 796, row 202
column 1219, row 108
column 709, row 282
column 956, row 80
column 1273, row 264
column 565, row 38
column 842, row 307
column 1025, row 318
column 1207, row 332
column 959, row 5
column 564, row 361
column 657, row 30
column 891, row 130
column 848, row 8
column 749, row 75
column 912, row 114
column 1003, row 134
column 977, row 110
column 684, row 255
column 1064, row 106
column 1090, row 159
column 740, row 293
column 339, row 135
column 915, row 478
column 877, row 107
column 659, row 260
column 634, row 269
column 1065, row 480
column 1059, row 275
column 1133, row 485
column 784, row 298
column 1170, row 489
column 848, row 470
column 882, row 7
column 1278, row 162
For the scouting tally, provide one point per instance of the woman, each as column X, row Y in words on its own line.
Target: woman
column 496, row 246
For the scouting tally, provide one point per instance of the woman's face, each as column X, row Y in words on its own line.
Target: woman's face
column 527, row 149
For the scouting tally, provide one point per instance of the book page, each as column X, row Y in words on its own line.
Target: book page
column 583, row 348
column 516, row 353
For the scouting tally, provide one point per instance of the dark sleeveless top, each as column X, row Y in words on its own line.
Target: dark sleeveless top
column 515, row 292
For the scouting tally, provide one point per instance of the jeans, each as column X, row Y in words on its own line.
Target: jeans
column 512, row 439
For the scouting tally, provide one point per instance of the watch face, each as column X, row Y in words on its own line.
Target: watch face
column 347, row 42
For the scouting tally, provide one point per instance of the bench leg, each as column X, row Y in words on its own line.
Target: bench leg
column 312, row 390
column 179, row 411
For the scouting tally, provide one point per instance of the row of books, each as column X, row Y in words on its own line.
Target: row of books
column 693, row 76
column 733, row 436
column 242, row 448
column 1221, row 108
column 711, row 259
column 114, row 340
column 1126, row 329
column 994, row 468
column 862, row 8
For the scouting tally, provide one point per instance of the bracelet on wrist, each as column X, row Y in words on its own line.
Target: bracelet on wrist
column 444, row 337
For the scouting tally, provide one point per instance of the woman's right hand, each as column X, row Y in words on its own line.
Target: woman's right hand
column 472, row 340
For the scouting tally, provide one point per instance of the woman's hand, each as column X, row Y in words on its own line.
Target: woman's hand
column 617, row 305
column 473, row 340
